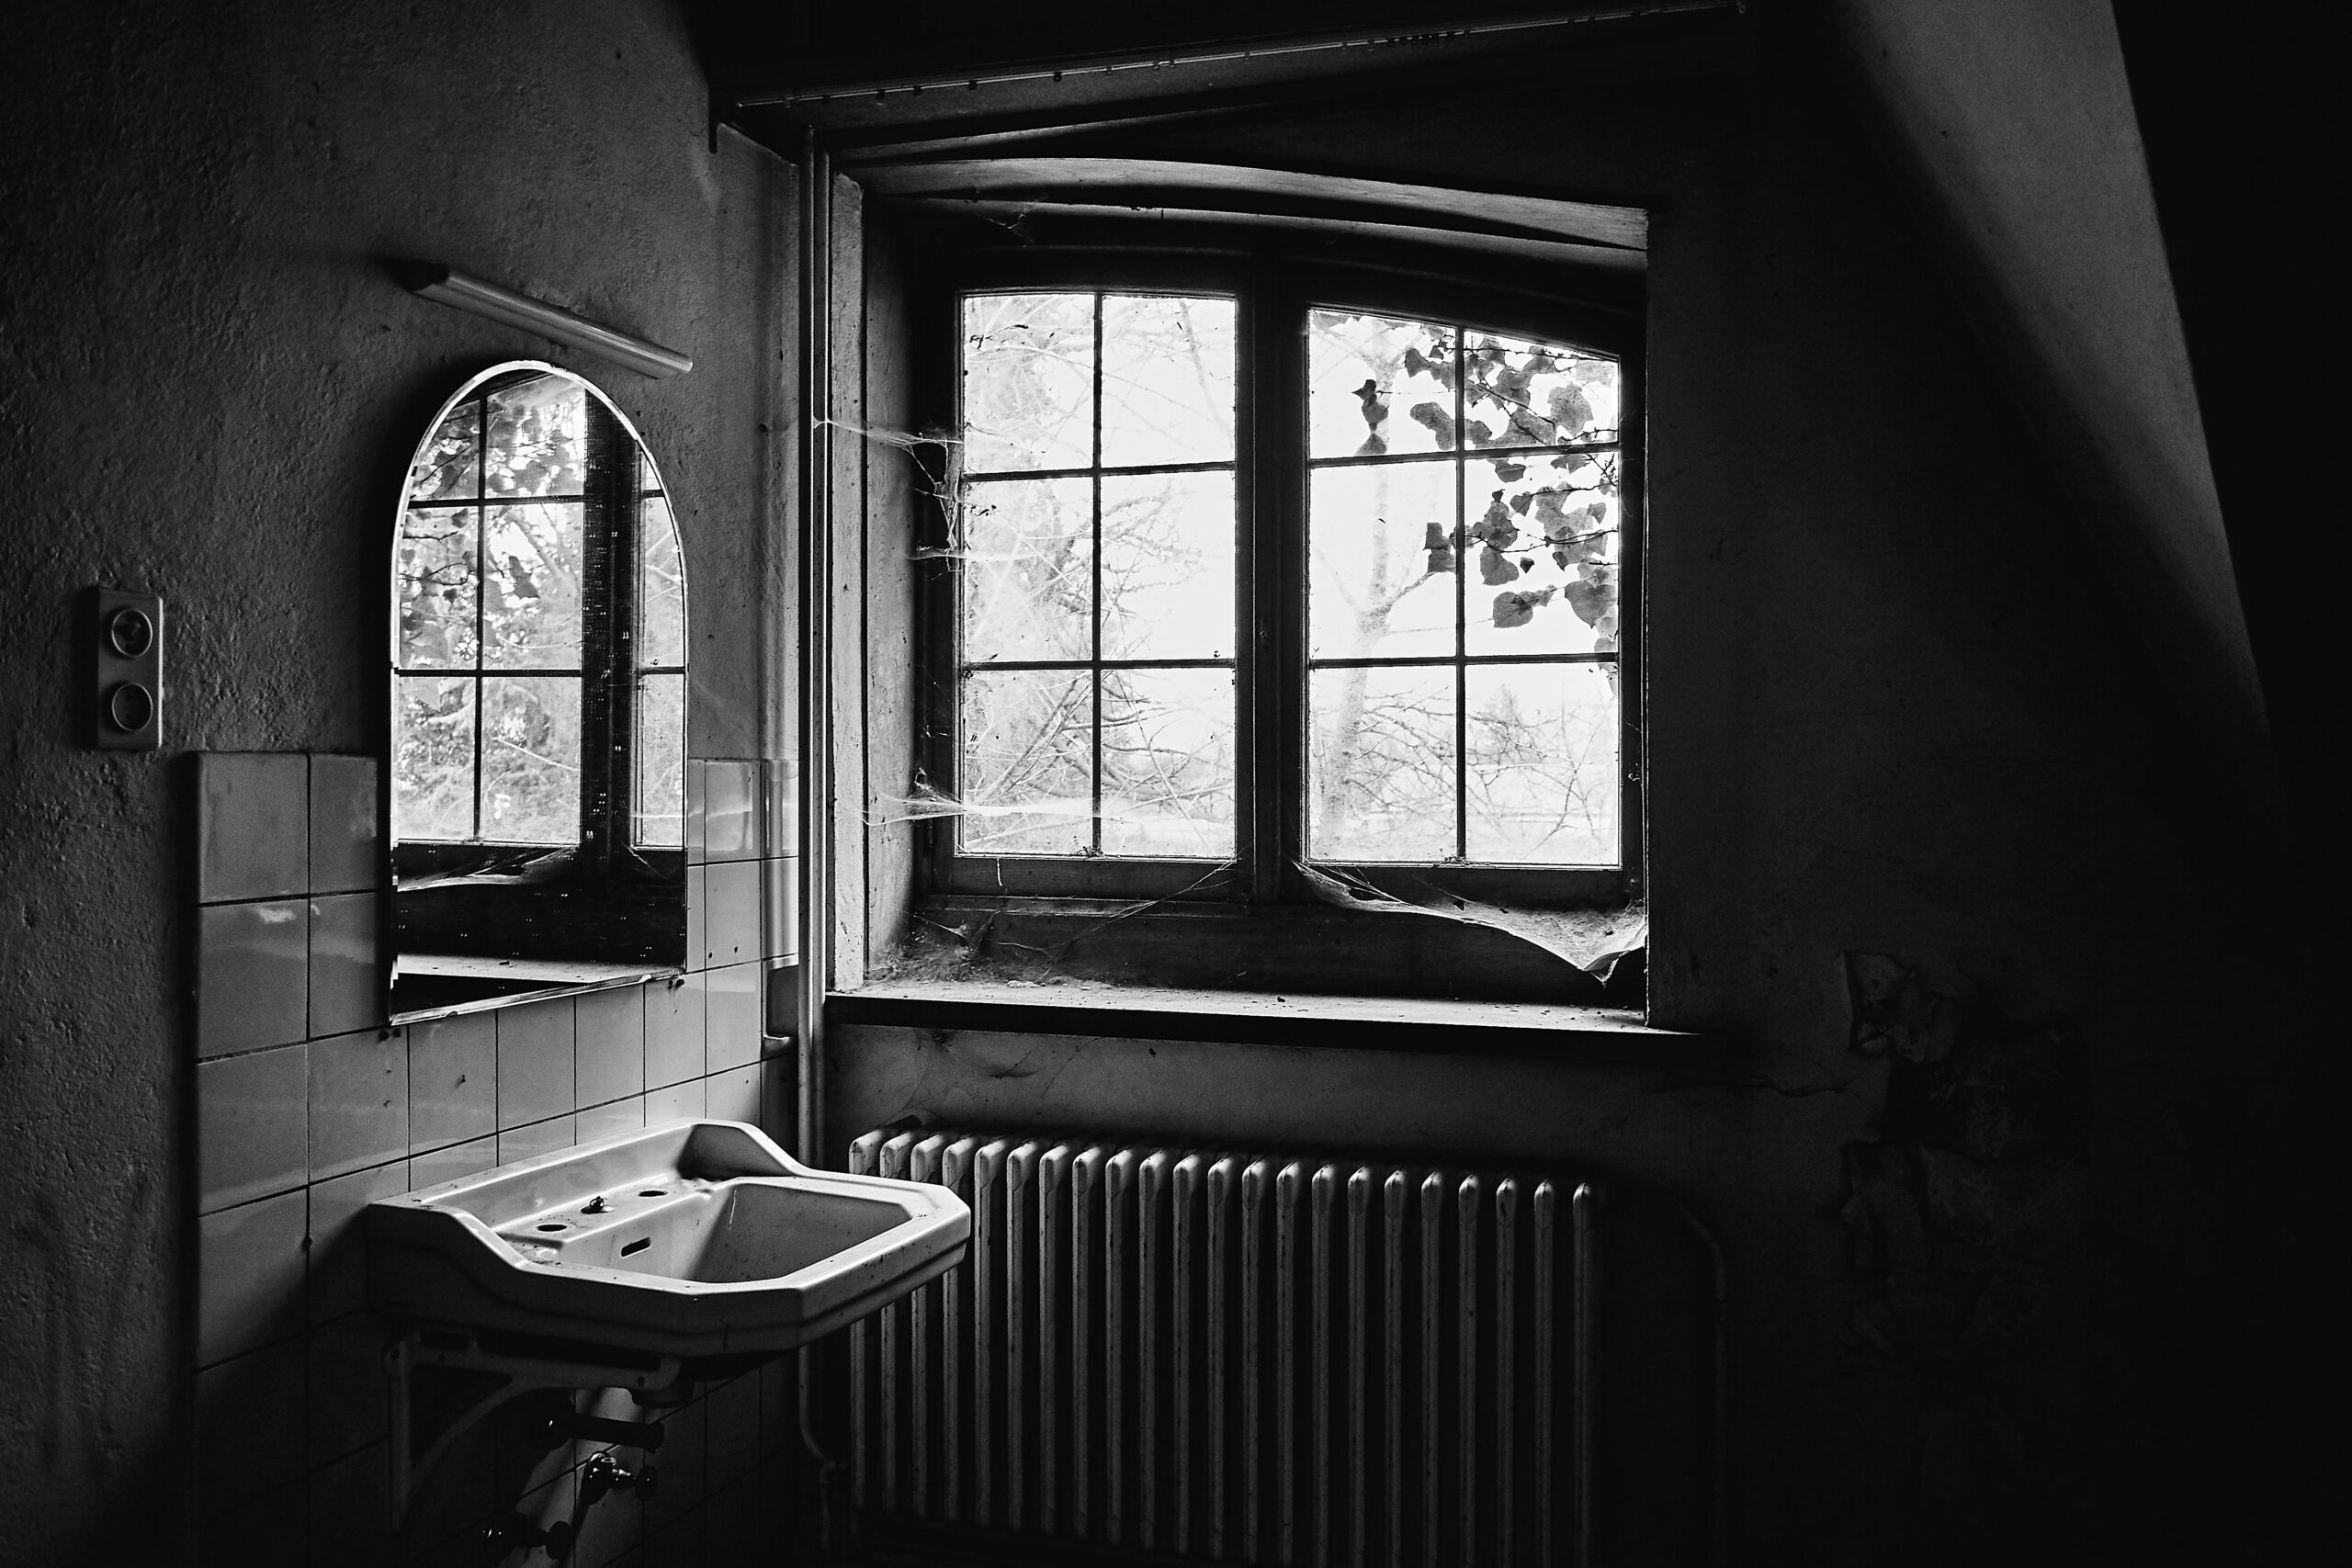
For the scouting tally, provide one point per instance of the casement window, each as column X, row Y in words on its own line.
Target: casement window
column 1244, row 566
column 539, row 681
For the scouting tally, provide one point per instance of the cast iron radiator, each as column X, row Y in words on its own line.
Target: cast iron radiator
column 1237, row 1357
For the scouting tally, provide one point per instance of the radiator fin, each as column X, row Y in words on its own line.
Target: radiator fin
column 1234, row 1357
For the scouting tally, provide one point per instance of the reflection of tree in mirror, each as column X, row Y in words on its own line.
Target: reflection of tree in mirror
column 493, row 572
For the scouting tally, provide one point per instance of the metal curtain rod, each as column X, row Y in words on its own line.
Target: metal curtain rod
column 879, row 87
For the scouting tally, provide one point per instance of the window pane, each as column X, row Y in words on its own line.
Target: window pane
column 1028, row 382
column 661, row 587
column 1380, row 764
column 1542, row 769
column 1027, row 763
column 1543, row 549
column 1168, row 762
column 1027, row 584
column 436, row 588
column 531, row 601
column 1373, row 536
column 1522, row 392
column 1377, row 385
column 446, row 468
column 539, row 438
column 432, row 758
column 1166, row 380
column 661, row 760
column 1167, row 548
column 530, row 760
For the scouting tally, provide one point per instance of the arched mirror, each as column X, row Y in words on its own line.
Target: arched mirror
column 538, row 701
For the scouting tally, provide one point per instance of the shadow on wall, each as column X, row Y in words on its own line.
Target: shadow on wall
column 1967, row 1357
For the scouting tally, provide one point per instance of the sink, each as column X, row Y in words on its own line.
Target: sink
column 694, row 1239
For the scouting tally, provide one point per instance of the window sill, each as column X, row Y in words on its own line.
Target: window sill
column 1377, row 1024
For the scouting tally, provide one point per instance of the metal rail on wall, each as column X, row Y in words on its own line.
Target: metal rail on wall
column 1437, row 32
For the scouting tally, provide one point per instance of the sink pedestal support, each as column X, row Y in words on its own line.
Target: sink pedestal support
column 445, row 1381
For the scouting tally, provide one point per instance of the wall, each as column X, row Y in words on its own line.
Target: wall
column 212, row 386
column 1896, row 712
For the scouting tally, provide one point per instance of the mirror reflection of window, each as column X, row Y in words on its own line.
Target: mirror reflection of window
column 540, row 672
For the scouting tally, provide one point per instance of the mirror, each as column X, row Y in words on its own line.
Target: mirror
column 538, row 701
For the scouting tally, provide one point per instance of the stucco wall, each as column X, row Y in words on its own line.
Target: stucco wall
column 210, row 386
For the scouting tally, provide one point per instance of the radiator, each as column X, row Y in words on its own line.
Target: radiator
column 1235, row 1356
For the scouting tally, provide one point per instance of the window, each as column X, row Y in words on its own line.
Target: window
column 538, row 674
column 1414, row 498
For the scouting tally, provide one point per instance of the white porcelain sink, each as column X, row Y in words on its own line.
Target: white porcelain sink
column 693, row 1239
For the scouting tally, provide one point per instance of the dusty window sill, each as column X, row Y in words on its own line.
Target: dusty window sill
column 1241, row 1018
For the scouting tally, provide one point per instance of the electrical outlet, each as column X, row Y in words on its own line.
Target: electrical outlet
column 125, row 648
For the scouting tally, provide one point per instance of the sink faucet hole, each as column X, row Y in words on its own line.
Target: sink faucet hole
column 553, row 1227
column 655, row 1193
column 640, row 1244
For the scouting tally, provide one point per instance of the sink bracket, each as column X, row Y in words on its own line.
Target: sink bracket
column 445, row 1381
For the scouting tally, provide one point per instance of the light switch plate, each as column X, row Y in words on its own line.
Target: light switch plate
column 124, row 639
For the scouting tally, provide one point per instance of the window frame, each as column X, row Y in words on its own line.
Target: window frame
column 1274, row 285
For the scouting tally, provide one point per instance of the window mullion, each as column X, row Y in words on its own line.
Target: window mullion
column 603, row 734
column 1270, row 764
column 481, row 579
column 1094, row 818
column 1461, row 599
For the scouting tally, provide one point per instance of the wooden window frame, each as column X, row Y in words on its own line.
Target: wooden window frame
column 1273, row 286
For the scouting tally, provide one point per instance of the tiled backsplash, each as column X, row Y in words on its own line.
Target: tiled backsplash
column 309, row 1107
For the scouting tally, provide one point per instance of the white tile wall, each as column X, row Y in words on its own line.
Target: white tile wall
column 731, row 916
column 253, row 985
column 344, row 845
column 360, row 1102
column 307, row 1110
column 452, row 1080
column 252, row 825
column 250, row 1275
column 732, row 1029
column 252, row 1126
column 347, row 986
column 535, row 1062
column 609, row 1059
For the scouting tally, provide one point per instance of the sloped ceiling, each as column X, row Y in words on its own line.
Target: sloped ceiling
column 2010, row 124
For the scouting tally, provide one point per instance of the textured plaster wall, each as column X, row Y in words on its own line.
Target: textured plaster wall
column 1895, row 707
column 209, row 387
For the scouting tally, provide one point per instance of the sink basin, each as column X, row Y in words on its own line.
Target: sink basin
column 694, row 1239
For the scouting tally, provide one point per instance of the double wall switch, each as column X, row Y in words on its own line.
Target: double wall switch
column 124, row 646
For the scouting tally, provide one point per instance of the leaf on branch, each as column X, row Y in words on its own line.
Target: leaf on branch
column 1589, row 600
column 1509, row 472
column 1516, row 609
column 1571, row 411
column 1441, row 548
column 1436, row 420
column 1374, row 411
column 1495, row 528
column 1439, row 370
column 1374, row 446
column 1495, row 568
column 1480, row 436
